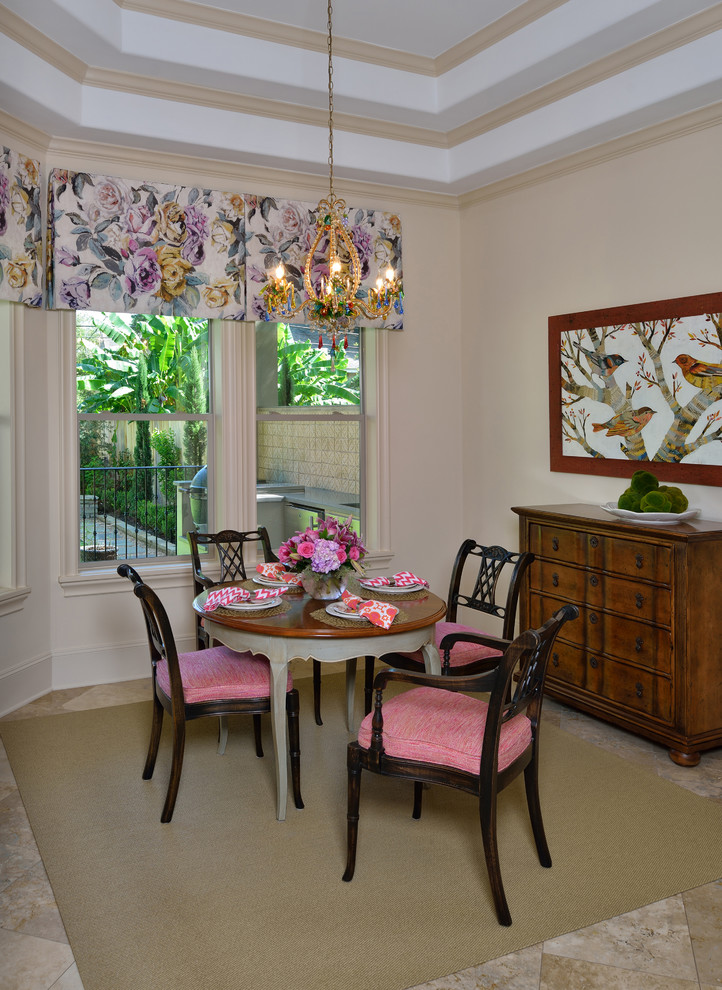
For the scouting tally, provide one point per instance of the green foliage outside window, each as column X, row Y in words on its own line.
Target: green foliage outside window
column 310, row 376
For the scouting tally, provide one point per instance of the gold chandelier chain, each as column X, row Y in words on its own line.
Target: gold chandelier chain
column 330, row 101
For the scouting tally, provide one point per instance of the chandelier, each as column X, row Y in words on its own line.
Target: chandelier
column 332, row 305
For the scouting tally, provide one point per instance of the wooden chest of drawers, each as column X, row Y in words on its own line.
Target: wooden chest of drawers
column 646, row 650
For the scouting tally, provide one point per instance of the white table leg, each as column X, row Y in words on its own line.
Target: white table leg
column 350, row 691
column 279, row 677
column 432, row 661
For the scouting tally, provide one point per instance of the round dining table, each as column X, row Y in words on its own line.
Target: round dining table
column 292, row 632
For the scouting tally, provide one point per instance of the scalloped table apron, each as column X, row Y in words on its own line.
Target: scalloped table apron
column 295, row 633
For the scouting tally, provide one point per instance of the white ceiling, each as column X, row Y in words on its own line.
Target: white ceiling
column 438, row 96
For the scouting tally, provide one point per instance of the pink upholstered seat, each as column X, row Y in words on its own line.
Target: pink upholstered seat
column 434, row 726
column 219, row 672
column 461, row 653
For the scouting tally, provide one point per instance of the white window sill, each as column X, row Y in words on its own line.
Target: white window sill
column 12, row 599
column 107, row 581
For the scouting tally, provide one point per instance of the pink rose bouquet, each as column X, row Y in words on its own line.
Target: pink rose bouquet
column 331, row 546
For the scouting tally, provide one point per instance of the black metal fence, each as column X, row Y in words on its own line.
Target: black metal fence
column 129, row 512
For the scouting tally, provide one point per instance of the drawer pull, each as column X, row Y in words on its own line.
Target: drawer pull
column 594, row 580
column 555, row 543
column 555, row 659
column 555, row 580
column 639, row 599
column 639, row 560
column 593, row 618
column 638, row 689
column 639, row 644
column 594, row 542
column 593, row 662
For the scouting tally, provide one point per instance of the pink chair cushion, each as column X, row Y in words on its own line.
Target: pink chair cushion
column 432, row 725
column 220, row 673
column 461, row 653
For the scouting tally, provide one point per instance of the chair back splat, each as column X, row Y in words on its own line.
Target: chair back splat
column 485, row 595
column 439, row 732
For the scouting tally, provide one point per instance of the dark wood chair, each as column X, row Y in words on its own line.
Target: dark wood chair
column 229, row 545
column 435, row 733
column 486, row 565
column 211, row 682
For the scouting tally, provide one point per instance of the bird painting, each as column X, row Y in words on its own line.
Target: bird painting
column 605, row 364
column 626, row 424
column 699, row 374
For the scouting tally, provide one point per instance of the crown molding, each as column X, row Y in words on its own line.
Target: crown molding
column 689, row 123
column 515, row 20
column 29, row 37
column 682, row 33
column 206, row 96
column 233, row 22
column 143, row 163
column 34, row 143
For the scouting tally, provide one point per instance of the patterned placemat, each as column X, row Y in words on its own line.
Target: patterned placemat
column 321, row 615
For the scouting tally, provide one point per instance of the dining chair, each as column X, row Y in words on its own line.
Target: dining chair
column 210, row 682
column 486, row 565
column 229, row 544
column 435, row 733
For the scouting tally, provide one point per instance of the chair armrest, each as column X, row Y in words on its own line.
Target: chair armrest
column 474, row 682
column 201, row 578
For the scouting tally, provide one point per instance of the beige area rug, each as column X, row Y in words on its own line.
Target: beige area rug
column 228, row 898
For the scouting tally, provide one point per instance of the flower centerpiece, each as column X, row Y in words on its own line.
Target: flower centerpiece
column 324, row 556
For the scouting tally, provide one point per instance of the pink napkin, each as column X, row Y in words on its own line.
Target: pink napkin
column 277, row 572
column 380, row 613
column 400, row 580
column 230, row 595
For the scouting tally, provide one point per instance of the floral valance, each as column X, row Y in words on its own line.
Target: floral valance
column 115, row 246
column 21, row 230
column 145, row 247
column 279, row 230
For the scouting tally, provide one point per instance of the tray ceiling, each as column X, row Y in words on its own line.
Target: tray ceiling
column 444, row 97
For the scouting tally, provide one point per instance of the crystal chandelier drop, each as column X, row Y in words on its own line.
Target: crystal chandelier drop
column 332, row 306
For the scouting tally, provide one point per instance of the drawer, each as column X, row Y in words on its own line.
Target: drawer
column 631, row 598
column 598, row 631
column 638, row 690
column 633, row 558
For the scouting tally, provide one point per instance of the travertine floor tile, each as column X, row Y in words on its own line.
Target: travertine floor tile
column 105, row 695
column 560, row 973
column 704, row 917
column 517, row 971
column 28, row 906
column 70, row 980
column 654, row 939
column 30, row 963
column 18, row 850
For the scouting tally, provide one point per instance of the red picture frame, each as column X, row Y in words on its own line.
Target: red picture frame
column 622, row 378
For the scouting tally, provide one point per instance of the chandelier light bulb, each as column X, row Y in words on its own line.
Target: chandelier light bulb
column 280, row 272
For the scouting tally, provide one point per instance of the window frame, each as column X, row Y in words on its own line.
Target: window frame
column 14, row 589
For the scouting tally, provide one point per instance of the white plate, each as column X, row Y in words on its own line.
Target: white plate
column 390, row 589
column 650, row 518
column 344, row 612
column 248, row 606
column 269, row 583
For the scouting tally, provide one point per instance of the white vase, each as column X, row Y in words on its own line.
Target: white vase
column 324, row 587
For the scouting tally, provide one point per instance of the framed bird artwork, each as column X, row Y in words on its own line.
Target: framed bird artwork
column 640, row 383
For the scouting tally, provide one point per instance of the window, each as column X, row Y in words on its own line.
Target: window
column 310, row 423
column 144, row 433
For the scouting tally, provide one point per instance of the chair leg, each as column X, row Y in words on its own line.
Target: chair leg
column 487, row 815
column 179, row 741
column 368, row 684
column 418, row 791
column 294, row 746
column 317, row 691
column 156, row 726
column 531, row 784
column 257, row 734
column 222, row 734
column 354, row 795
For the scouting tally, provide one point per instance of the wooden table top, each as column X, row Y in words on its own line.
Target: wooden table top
column 299, row 622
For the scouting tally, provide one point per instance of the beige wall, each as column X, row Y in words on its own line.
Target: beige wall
column 63, row 638
column 633, row 229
